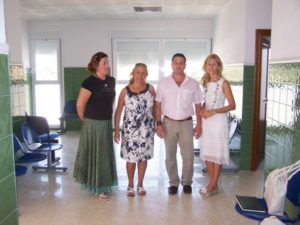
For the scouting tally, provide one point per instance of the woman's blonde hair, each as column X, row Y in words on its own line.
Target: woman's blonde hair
column 134, row 68
column 206, row 78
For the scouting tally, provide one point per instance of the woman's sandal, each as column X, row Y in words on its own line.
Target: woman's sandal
column 102, row 197
column 130, row 192
column 206, row 194
column 141, row 191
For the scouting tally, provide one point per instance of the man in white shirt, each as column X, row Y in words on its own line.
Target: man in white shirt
column 177, row 96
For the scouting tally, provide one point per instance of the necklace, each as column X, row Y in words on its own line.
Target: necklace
column 215, row 98
column 102, row 78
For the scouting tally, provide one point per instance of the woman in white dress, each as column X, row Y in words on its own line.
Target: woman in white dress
column 215, row 126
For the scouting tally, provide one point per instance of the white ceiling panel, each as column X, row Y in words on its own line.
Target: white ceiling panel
column 118, row 9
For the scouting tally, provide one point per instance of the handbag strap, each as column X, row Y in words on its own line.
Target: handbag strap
column 287, row 169
column 294, row 173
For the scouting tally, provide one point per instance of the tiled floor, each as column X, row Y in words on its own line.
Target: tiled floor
column 53, row 198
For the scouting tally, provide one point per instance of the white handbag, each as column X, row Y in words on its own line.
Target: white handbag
column 276, row 188
column 272, row 220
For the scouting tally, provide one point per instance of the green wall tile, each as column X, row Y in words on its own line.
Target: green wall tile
column 73, row 78
column 7, row 158
column 12, row 219
column 4, row 75
column 17, row 121
column 245, row 163
column 247, row 119
column 5, row 115
column 8, row 204
column 7, row 196
column 243, row 75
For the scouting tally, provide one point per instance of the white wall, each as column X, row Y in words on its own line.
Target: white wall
column 3, row 45
column 25, row 44
column 13, row 30
column 81, row 39
column 229, row 34
column 258, row 16
column 235, row 29
column 285, row 42
column 2, row 23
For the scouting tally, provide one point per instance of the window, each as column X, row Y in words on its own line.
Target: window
column 157, row 54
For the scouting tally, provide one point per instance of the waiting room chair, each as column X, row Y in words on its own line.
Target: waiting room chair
column 20, row 170
column 34, row 144
column 291, row 215
column 40, row 125
column 70, row 113
column 23, row 156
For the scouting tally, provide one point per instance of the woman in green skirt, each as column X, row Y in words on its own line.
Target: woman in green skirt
column 95, row 165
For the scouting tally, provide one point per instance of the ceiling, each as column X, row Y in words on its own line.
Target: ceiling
column 34, row 10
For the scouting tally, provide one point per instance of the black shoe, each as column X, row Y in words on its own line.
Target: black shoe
column 187, row 189
column 172, row 190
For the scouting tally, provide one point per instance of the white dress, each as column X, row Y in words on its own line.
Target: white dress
column 214, row 143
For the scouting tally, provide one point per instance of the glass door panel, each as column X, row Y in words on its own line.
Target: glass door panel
column 46, row 74
column 46, row 103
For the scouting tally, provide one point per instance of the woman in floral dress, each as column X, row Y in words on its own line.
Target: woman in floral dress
column 138, row 126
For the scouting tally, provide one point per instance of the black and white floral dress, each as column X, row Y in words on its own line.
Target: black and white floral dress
column 138, row 126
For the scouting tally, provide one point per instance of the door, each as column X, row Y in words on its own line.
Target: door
column 262, row 54
column 46, row 80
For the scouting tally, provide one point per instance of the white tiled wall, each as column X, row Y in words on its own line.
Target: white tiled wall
column 18, row 100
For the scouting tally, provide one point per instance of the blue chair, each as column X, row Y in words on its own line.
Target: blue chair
column 40, row 125
column 70, row 113
column 292, row 195
column 34, row 144
column 20, row 170
column 23, row 156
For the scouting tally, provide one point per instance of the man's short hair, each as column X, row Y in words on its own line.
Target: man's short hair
column 179, row 55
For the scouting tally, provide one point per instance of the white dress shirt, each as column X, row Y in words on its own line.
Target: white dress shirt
column 178, row 101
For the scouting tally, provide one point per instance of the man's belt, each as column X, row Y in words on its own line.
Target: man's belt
column 188, row 118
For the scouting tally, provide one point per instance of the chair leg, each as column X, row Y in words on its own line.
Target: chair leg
column 51, row 164
column 62, row 126
column 53, row 158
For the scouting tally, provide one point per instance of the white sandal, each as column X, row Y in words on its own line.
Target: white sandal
column 130, row 192
column 141, row 191
column 206, row 194
column 102, row 197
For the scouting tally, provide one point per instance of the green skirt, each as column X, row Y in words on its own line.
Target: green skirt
column 95, row 165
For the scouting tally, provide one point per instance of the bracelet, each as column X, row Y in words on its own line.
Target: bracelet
column 158, row 123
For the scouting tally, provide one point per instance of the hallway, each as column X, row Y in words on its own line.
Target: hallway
column 53, row 198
